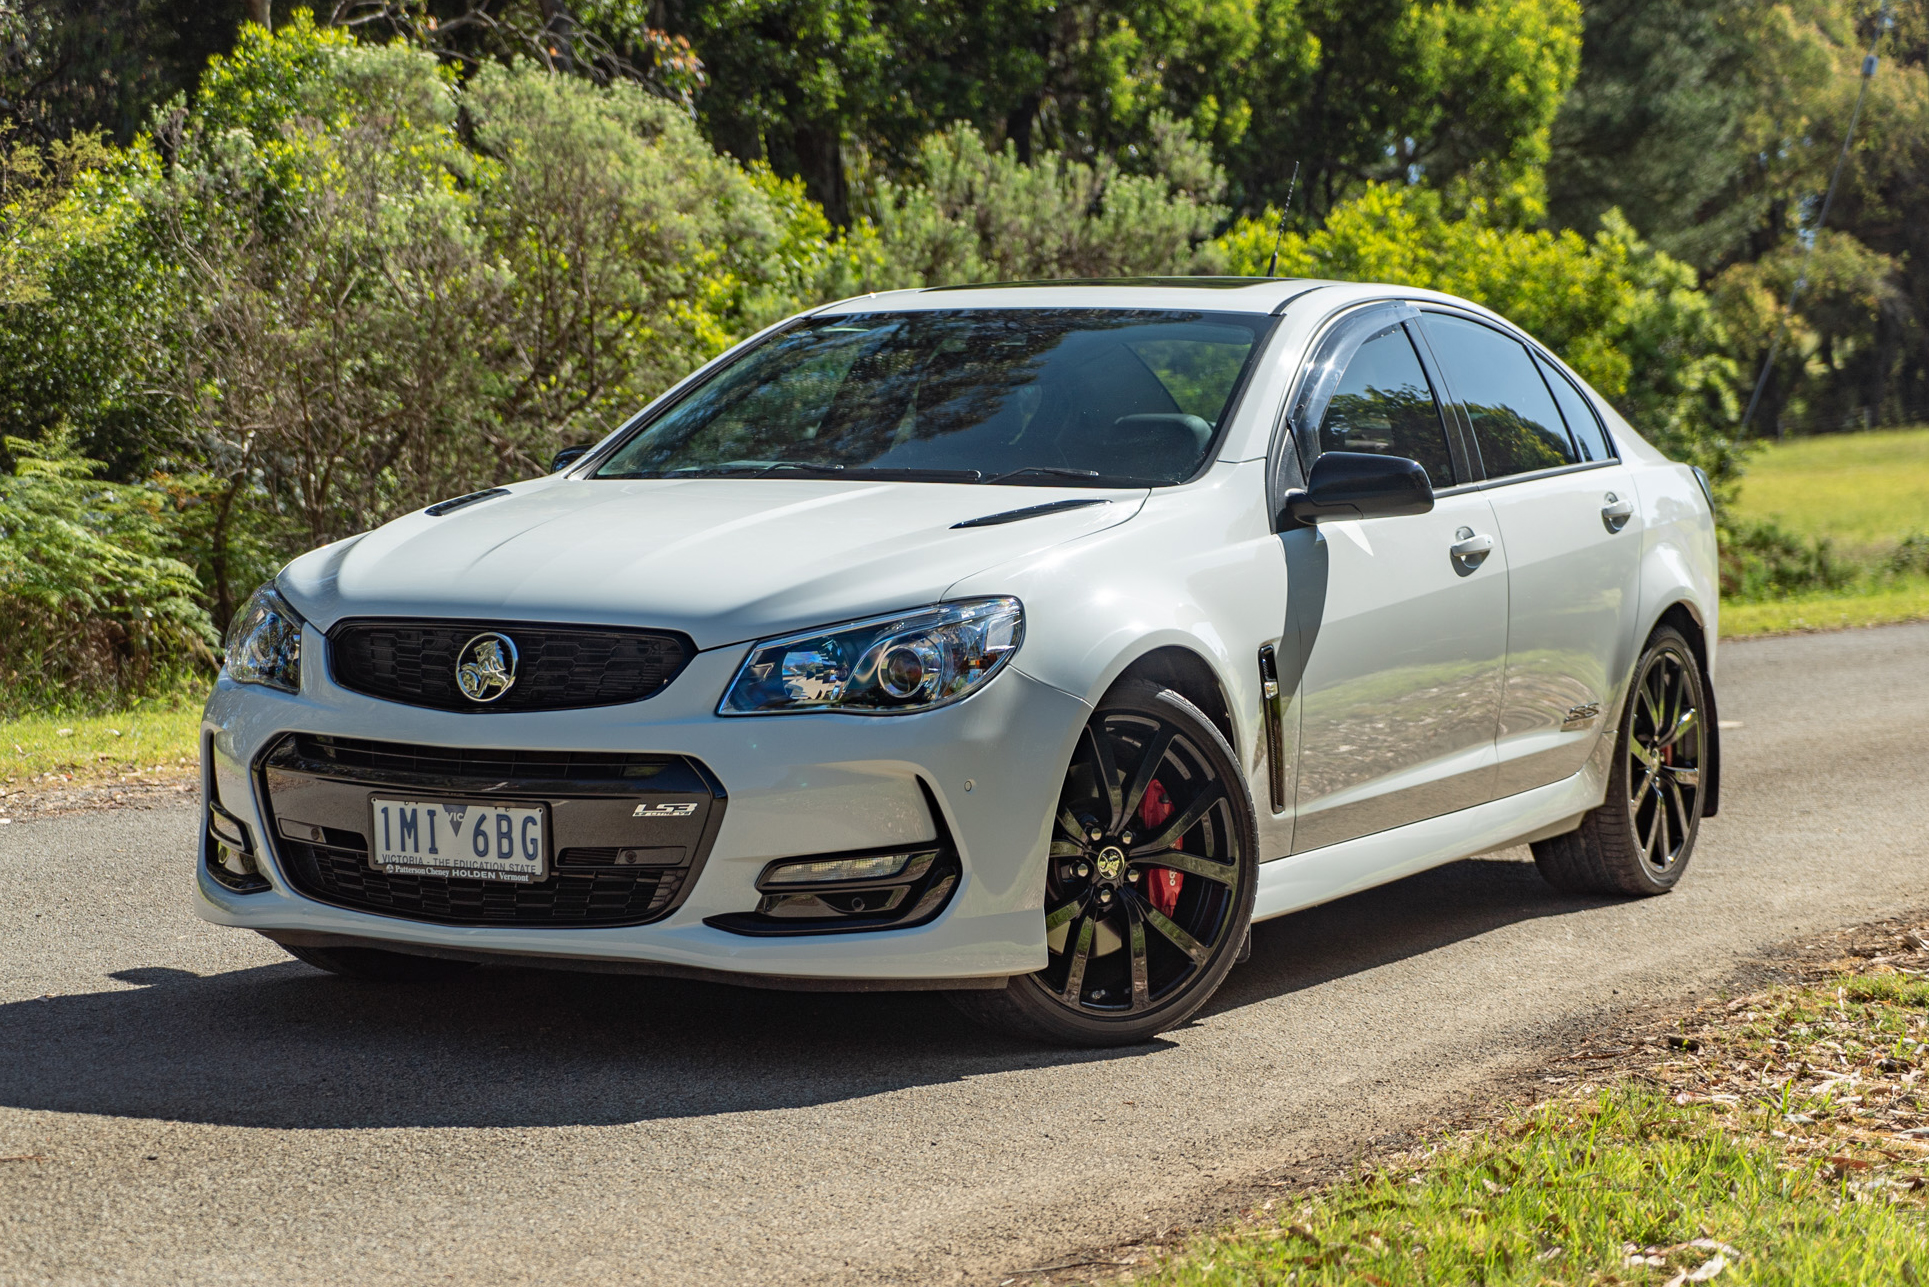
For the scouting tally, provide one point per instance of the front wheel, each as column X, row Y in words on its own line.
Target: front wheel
column 1640, row 839
column 1149, row 889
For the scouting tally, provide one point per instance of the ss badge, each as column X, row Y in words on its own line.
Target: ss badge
column 664, row 810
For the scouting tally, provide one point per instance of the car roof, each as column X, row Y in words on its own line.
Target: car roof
column 1260, row 295
column 1257, row 295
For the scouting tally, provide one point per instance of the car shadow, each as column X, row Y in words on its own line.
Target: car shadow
column 1407, row 918
column 286, row 1046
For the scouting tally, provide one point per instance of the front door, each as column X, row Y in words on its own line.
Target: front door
column 1566, row 511
column 1400, row 689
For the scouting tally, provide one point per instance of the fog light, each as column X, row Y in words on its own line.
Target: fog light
column 230, row 853
column 830, row 870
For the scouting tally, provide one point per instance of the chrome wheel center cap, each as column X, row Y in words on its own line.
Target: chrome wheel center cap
column 1111, row 862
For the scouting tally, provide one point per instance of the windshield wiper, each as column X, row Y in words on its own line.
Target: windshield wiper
column 1053, row 471
column 1082, row 475
column 763, row 469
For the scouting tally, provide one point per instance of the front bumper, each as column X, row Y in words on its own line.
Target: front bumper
column 796, row 785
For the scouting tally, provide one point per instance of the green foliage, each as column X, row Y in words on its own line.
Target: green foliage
column 1456, row 91
column 1716, row 125
column 974, row 214
column 631, row 245
column 1565, row 1193
column 1764, row 560
column 1626, row 317
column 73, row 67
column 89, row 601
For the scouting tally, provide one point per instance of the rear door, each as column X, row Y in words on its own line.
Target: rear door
column 1400, row 660
column 1566, row 510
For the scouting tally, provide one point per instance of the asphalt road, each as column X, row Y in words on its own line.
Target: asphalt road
column 194, row 1107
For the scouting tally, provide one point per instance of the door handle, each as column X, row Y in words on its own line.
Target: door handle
column 1470, row 549
column 1616, row 512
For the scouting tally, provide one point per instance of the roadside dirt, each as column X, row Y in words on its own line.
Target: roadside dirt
column 54, row 795
column 1655, row 1044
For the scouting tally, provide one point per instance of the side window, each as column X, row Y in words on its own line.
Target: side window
column 1384, row 405
column 1582, row 422
column 1516, row 424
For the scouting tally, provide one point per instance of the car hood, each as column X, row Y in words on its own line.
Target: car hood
column 723, row 560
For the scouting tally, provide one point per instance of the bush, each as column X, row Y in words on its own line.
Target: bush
column 91, row 609
column 970, row 214
column 1763, row 560
column 1624, row 315
column 1911, row 557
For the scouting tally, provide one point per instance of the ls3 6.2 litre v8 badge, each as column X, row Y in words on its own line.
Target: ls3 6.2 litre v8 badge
column 683, row 810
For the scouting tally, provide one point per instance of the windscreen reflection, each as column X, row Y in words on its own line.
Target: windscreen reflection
column 1065, row 397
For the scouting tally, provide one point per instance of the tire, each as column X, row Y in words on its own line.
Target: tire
column 376, row 966
column 1149, row 891
column 1640, row 840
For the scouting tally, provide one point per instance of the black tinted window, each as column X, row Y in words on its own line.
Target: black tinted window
column 1516, row 424
column 1124, row 397
column 1581, row 420
column 1385, row 406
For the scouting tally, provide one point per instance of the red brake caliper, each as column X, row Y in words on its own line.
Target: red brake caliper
column 1164, row 883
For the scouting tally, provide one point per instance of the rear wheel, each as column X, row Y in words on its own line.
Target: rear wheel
column 1640, row 839
column 1149, row 891
column 378, row 966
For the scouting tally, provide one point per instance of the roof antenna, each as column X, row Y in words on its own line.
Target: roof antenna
column 1291, row 188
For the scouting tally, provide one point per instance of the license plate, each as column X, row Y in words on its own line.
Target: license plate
column 458, row 838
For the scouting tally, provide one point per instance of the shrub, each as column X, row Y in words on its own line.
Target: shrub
column 1763, row 560
column 1625, row 316
column 91, row 609
column 968, row 213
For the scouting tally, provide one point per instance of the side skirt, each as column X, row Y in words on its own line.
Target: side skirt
column 1322, row 875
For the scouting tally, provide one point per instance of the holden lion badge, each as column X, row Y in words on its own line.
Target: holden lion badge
column 485, row 669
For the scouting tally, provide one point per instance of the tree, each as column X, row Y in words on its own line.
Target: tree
column 72, row 66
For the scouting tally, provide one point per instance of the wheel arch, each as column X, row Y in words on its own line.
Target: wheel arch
column 1684, row 616
column 1190, row 675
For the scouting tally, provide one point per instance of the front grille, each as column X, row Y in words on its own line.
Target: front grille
column 337, row 872
column 557, row 667
column 471, row 767
column 629, row 831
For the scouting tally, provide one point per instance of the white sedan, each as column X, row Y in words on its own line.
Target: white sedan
column 1026, row 642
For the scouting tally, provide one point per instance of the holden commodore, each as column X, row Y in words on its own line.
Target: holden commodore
column 1026, row 642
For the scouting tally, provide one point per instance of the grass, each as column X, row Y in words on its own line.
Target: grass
column 159, row 737
column 1875, row 604
column 1770, row 1148
column 1861, row 495
column 1864, row 491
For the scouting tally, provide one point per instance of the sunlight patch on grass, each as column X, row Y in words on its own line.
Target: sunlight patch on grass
column 1882, row 604
column 92, row 748
column 1865, row 491
column 1775, row 1147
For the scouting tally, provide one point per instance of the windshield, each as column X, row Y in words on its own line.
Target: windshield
column 1085, row 397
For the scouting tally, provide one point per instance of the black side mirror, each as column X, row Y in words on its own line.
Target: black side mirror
column 1354, row 484
column 569, row 456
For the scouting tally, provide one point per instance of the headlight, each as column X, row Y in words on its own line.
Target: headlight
column 882, row 666
column 264, row 643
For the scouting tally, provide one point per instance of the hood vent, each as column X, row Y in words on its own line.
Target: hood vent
column 440, row 508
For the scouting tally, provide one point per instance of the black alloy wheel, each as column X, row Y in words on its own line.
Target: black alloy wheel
column 1149, row 888
column 1639, row 840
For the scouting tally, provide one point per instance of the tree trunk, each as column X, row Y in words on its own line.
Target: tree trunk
column 820, row 160
column 261, row 11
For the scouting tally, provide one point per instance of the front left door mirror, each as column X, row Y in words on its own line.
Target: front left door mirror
column 569, row 456
column 1357, row 484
